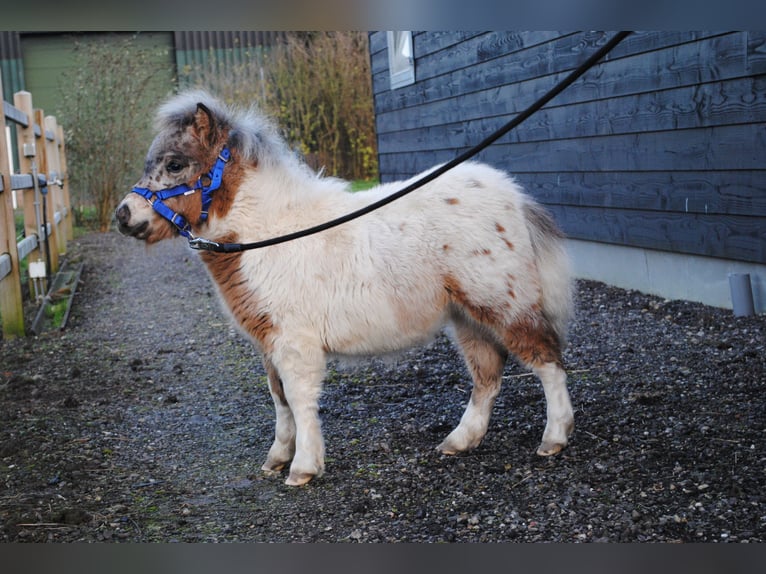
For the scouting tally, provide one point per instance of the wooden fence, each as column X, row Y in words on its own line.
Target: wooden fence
column 42, row 189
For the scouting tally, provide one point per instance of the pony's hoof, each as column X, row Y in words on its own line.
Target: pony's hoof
column 272, row 470
column 549, row 449
column 444, row 448
column 298, row 478
column 458, row 441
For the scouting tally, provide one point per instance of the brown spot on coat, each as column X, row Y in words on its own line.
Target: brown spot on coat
column 452, row 200
column 500, row 229
column 511, row 281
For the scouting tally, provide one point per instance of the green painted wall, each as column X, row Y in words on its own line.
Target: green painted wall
column 49, row 58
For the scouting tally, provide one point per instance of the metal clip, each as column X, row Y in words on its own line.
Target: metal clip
column 203, row 244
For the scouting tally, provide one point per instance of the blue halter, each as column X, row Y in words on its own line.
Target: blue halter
column 155, row 198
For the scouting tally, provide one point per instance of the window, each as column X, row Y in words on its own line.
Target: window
column 401, row 63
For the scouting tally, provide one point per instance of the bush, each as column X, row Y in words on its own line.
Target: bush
column 107, row 108
column 318, row 86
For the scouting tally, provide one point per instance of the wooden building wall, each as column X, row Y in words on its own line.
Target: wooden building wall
column 661, row 146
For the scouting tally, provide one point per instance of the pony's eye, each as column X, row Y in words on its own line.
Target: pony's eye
column 174, row 166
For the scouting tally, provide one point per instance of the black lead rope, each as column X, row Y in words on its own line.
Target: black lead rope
column 207, row 245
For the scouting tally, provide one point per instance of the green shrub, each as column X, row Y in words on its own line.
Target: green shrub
column 317, row 85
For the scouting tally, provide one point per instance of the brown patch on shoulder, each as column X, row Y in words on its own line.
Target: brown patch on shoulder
column 446, row 247
column 452, row 200
column 223, row 197
column 239, row 298
column 499, row 228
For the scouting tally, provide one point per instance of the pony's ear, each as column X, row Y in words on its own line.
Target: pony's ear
column 205, row 125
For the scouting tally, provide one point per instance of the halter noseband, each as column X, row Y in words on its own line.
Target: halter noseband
column 155, row 198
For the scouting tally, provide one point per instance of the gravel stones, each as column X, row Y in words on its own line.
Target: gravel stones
column 148, row 418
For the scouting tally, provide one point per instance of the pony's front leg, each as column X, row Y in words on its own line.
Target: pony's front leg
column 283, row 448
column 302, row 368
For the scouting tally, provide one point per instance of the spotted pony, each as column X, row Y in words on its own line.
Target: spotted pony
column 468, row 251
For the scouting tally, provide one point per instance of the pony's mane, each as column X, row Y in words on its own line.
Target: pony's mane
column 254, row 136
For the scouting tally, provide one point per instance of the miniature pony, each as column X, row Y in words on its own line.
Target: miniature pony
column 468, row 250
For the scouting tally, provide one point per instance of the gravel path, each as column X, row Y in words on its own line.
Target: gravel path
column 148, row 418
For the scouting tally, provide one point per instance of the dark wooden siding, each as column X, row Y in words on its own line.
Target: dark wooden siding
column 663, row 145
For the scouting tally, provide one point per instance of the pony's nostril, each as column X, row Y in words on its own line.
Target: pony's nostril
column 123, row 214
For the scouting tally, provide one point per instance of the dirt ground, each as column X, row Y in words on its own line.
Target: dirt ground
column 147, row 419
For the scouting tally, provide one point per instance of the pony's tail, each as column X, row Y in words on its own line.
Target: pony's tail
column 554, row 268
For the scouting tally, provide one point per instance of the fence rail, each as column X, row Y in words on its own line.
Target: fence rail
column 42, row 192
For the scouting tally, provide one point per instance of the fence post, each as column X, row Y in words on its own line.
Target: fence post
column 25, row 136
column 11, row 304
column 43, row 167
column 64, row 176
column 54, row 174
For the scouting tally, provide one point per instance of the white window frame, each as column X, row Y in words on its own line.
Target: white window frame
column 401, row 60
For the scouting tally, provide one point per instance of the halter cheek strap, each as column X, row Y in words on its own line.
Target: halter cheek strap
column 156, row 198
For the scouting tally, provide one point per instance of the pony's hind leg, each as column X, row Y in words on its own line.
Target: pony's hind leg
column 485, row 360
column 559, row 417
column 283, row 448
column 537, row 346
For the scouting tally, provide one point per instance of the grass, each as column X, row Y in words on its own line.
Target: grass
column 362, row 184
column 18, row 219
column 55, row 313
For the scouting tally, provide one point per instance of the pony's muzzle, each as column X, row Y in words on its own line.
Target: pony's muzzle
column 123, row 215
